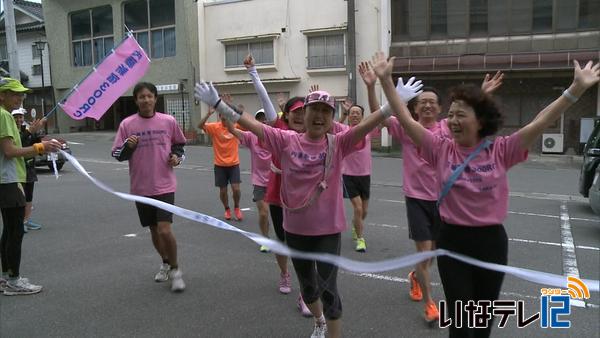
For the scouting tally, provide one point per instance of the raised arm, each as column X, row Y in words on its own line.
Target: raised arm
column 407, row 91
column 233, row 130
column 491, row 84
column 206, row 93
column 369, row 78
column 346, row 105
column 267, row 105
column 203, row 120
column 583, row 79
column 383, row 69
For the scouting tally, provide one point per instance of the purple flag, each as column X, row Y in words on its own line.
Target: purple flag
column 108, row 81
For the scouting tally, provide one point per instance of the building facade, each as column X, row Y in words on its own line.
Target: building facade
column 29, row 21
column 534, row 42
column 85, row 31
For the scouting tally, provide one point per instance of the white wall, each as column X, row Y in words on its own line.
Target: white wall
column 26, row 61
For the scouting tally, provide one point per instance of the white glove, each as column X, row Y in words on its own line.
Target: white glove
column 409, row 90
column 206, row 93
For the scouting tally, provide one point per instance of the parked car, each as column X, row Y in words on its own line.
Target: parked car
column 591, row 159
column 594, row 192
column 46, row 159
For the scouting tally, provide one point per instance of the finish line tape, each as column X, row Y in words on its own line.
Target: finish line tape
column 534, row 276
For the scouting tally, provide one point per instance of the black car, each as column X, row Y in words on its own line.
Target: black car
column 45, row 160
column 591, row 159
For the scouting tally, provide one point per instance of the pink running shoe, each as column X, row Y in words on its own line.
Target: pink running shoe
column 285, row 283
column 303, row 308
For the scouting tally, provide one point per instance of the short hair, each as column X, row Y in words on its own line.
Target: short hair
column 144, row 85
column 286, row 108
column 362, row 110
column 413, row 102
column 485, row 108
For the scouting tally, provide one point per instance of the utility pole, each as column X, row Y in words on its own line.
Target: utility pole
column 11, row 39
column 351, row 56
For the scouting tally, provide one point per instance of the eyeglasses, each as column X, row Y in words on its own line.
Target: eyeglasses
column 424, row 102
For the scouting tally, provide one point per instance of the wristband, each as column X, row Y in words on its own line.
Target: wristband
column 570, row 96
column 216, row 104
column 386, row 110
column 39, row 148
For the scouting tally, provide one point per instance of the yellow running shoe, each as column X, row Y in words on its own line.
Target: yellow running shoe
column 361, row 246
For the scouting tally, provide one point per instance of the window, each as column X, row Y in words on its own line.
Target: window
column 542, row 16
column 91, row 35
column 439, row 18
column 400, row 24
column 36, row 70
column 589, row 14
column 478, row 16
column 326, row 51
column 3, row 52
column 262, row 51
column 35, row 53
column 153, row 25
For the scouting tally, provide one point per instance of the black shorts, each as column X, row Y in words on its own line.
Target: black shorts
column 28, row 187
column 227, row 175
column 258, row 194
column 357, row 186
column 150, row 215
column 423, row 219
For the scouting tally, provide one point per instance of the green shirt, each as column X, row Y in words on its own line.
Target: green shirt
column 11, row 170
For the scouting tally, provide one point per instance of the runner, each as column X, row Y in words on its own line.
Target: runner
column 474, row 204
column 260, row 160
column 12, row 198
column 310, row 164
column 356, row 170
column 153, row 144
column 29, row 136
column 226, row 162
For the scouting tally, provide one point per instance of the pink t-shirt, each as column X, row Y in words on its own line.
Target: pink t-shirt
column 149, row 170
column 303, row 165
column 358, row 163
column 419, row 180
column 260, row 159
column 272, row 196
column 479, row 196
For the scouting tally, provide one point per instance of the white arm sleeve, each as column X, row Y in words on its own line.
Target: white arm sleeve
column 270, row 113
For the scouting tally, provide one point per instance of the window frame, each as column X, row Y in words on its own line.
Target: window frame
column 326, row 33
column 91, row 38
column 149, row 30
column 248, row 42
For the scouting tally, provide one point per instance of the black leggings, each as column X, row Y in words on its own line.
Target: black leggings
column 12, row 237
column 277, row 218
column 318, row 279
column 466, row 282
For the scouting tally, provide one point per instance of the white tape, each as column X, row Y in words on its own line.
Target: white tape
column 539, row 277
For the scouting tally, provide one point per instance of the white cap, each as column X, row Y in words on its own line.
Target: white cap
column 20, row 111
column 259, row 111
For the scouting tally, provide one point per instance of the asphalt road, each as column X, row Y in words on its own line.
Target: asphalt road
column 97, row 264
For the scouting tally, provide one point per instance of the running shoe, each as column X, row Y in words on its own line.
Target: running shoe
column 354, row 234
column 228, row 214
column 264, row 249
column 238, row 214
column 320, row 330
column 2, row 285
column 32, row 225
column 285, row 283
column 163, row 274
column 415, row 289
column 431, row 312
column 303, row 308
column 361, row 246
column 25, row 228
column 20, row 286
column 177, row 284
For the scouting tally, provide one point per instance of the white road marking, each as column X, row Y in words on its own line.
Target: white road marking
column 512, row 295
column 130, row 235
column 529, row 241
column 77, row 143
column 568, row 248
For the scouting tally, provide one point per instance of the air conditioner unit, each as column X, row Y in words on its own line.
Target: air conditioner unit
column 552, row 143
